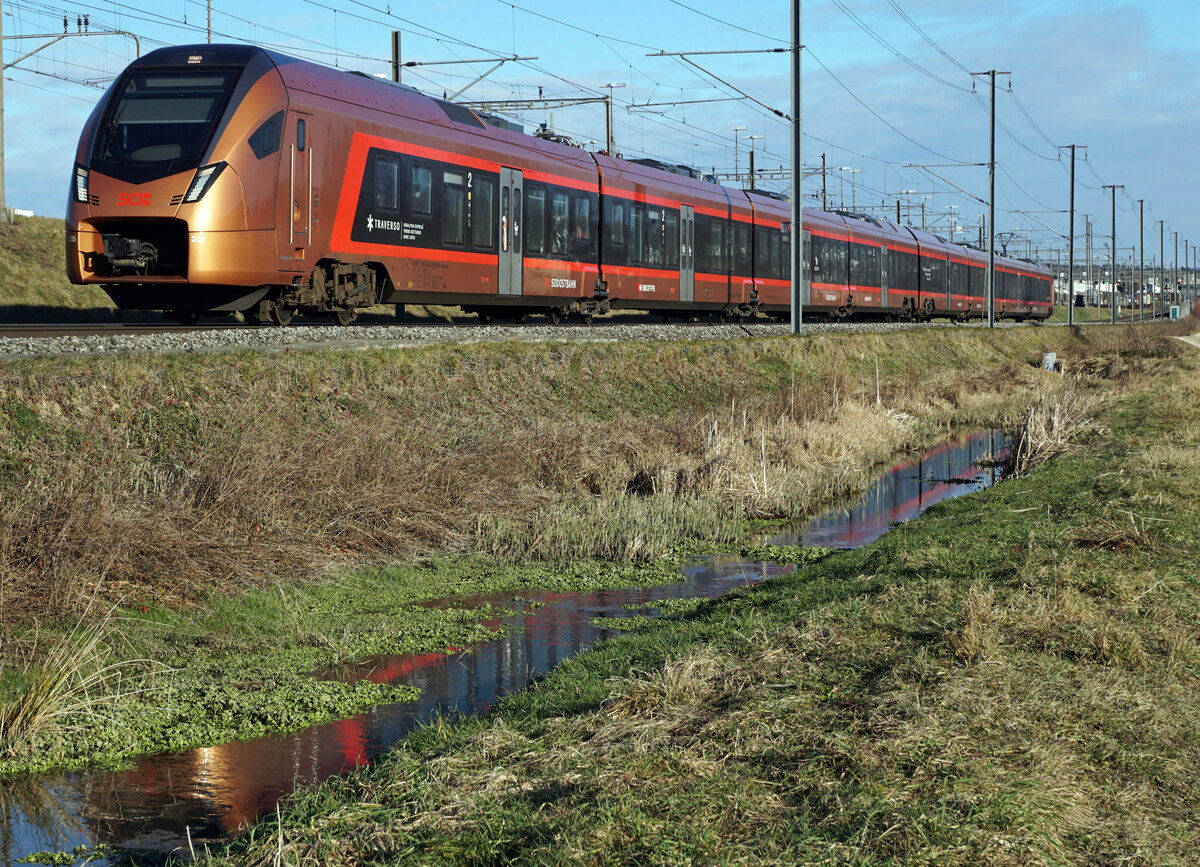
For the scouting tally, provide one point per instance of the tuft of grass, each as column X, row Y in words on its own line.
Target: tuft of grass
column 1054, row 419
column 60, row 684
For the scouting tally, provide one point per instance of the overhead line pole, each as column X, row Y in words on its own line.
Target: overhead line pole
column 1071, row 242
column 3, row 208
column 991, row 269
column 1175, row 288
column 1162, row 269
column 797, row 175
column 1112, row 273
column 1142, row 261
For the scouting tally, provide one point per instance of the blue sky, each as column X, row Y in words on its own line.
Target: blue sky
column 886, row 87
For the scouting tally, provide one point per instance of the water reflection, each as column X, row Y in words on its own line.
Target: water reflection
column 905, row 491
column 209, row 793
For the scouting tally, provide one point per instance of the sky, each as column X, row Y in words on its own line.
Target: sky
column 888, row 97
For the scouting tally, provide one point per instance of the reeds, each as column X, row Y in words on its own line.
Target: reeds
column 1053, row 420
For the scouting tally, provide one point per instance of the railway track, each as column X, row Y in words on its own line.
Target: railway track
column 25, row 340
column 106, row 329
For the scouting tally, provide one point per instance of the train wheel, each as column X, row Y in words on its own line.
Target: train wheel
column 281, row 314
column 585, row 318
column 520, row 318
column 186, row 317
column 484, row 318
column 553, row 317
column 666, row 318
column 252, row 317
column 343, row 315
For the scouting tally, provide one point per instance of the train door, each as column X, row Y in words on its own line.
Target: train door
column 948, row 281
column 295, row 194
column 883, row 275
column 806, row 282
column 512, row 250
column 687, row 250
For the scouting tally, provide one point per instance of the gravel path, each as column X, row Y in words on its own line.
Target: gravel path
column 374, row 336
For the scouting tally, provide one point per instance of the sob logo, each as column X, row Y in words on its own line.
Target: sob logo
column 127, row 199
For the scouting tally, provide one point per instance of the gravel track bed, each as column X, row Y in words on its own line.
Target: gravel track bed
column 375, row 336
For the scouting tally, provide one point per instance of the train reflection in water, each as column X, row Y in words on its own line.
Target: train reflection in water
column 209, row 793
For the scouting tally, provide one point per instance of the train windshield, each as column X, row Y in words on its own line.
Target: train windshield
column 163, row 119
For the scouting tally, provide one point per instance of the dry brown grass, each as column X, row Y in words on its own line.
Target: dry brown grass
column 1055, row 419
column 162, row 479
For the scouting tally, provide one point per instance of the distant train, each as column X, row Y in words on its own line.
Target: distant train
column 231, row 178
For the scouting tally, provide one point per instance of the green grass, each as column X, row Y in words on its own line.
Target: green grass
column 1012, row 679
column 33, row 276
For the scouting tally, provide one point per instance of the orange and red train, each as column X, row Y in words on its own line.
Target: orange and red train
column 232, row 178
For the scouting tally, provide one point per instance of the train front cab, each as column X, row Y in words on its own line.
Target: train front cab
column 166, row 208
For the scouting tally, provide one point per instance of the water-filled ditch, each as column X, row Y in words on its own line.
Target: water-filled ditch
column 172, row 801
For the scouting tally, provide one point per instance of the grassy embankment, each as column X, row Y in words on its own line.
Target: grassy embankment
column 217, row 499
column 1014, row 679
column 33, row 279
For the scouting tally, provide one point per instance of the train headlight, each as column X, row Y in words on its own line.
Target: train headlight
column 205, row 175
column 80, row 187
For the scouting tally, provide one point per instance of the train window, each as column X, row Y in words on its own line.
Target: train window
column 958, row 278
column 516, row 229
column 158, row 116
column 718, row 247
column 742, row 247
column 837, row 261
column 300, row 134
column 654, row 237
column 773, row 252
column 902, row 270
column 483, row 218
column 864, row 265
column 422, row 188
column 453, row 212
column 671, row 259
column 560, row 213
column 582, row 230
column 265, row 139
column 637, row 214
column 616, row 223
column 933, row 273
column 535, row 220
column 387, row 183
column 785, row 243
column 762, row 255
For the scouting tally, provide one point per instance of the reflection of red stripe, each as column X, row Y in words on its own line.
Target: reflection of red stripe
column 629, row 271
column 555, row 265
column 559, row 180
column 632, row 196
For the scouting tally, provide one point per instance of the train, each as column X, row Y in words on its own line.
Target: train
column 231, row 178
